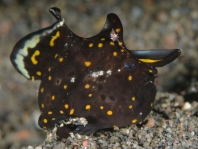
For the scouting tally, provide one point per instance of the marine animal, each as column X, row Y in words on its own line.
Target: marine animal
column 97, row 78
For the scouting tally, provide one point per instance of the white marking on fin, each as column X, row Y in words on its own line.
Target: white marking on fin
column 31, row 43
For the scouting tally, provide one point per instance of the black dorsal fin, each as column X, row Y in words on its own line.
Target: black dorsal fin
column 32, row 54
column 113, row 29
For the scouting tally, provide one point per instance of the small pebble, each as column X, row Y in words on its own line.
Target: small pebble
column 30, row 147
column 186, row 106
column 151, row 122
column 38, row 147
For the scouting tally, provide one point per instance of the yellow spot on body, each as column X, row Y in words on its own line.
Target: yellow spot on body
column 117, row 30
column 90, row 95
column 66, row 106
column 112, row 43
column 129, row 78
column 42, row 90
column 61, row 112
column 53, row 118
column 122, row 50
column 38, row 73
column 100, row 45
column 49, row 78
column 120, row 43
column 33, row 58
column 88, row 107
column 115, row 53
column 65, row 86
column 45, row 120
column 101, row 107
column 60, row 59
column 71, row 112
column 134, row 121
column 87, row 63
column 42, row 105
column 53, row 97
column 44, row 127
column 133, row 98
column 49, row 69
column 50, row 112
column 102, row 39
column 56, row 55
column 150, row 71
column 130, row 106
column 87, row 86
column 109, row 112
column 54, row 38
column 151, row 104
column 91, row 45
column 149, row 60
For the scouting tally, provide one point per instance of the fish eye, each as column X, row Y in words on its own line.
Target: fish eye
column 129, row 66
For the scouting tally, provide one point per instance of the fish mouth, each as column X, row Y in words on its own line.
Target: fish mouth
column 60, row 121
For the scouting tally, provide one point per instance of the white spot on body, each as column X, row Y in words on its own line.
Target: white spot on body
column 109, row 72
column 140, row 113
column 96, row 74
column 72, row 79
column 119, row 70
